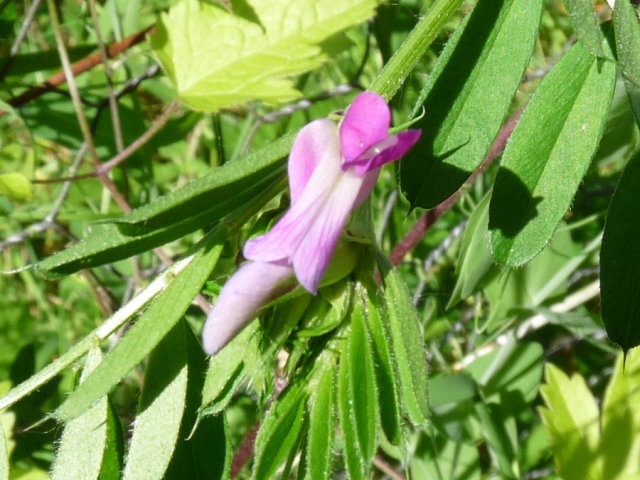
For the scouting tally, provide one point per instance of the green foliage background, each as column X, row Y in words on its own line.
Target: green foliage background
column 485, row 269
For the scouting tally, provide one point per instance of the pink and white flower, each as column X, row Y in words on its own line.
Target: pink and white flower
column 332, row 169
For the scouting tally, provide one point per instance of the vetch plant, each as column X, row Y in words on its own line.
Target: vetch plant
column 332, row 169
column 487, row 239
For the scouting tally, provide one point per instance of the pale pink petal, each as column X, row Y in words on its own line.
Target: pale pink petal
column 312, row 257
column 365, row 124
column 315, row 140
column 369, row 180
column 391, row 149
column 285, row 236
column 239, row 301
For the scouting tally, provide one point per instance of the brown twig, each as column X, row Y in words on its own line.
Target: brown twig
column 77, row 68
column 386, row 468
column 422, row 225
column 77, row 105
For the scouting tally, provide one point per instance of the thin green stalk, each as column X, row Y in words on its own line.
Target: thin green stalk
column 394, row 73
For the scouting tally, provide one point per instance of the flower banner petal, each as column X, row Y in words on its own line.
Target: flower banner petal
column 365, row 124
column 313, row 142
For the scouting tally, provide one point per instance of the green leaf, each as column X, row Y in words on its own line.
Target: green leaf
column 83, row 442
column 321, row 425
column 572, row 419
column 385, row 373
column 106, row 244
column 216, row 58
column 494, row 429
column 441, row 458
column 15, row 186
column 621, row 419
column 451, row 397
column 352, row 453
column 542, row 278
column 165, row 311
column 468, row 96
column 358, row 396
column 627, row 32
column 474, row 260
column 407, row 347
column 4, row 456
column 200, row 203
column 620, row 260
column 99, row 334
column 548, row 153
column 114, row 448
column 513, row 370
column 160, row 410
column 279, row 432
column 203, row 449
column 7, row 421
column 221, row 191
column 585, row 25
column 226, row 371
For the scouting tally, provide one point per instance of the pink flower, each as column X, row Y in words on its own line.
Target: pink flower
column 331, row 170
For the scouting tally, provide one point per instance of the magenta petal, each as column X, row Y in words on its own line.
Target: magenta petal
column 313, row 141
column 239, row 301
column 365, row 124
column 399, row 145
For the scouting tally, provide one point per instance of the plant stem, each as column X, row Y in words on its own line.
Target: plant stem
column 394, row 73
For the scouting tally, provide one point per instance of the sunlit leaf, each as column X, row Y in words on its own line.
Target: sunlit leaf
column 224, row 189
column 385, row 373
column 217, row 58
column 627, row 31
column 621, row 419
column 203, row 449
column 474, row 260
column 586, row 25
column 84, row 438
column 321, row 424
column 407, row 347
column 148, row 331
column 279, row 432
column 106, row 244
column 548, row 154
column 160, row 409
column 7, row 421
column 514, row 369
column 573, row 420
column 467, row 97
column 357, row 396
column 15, row 186
column 226, row 370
